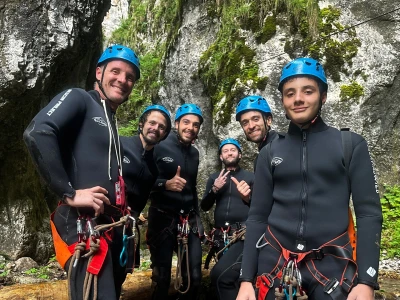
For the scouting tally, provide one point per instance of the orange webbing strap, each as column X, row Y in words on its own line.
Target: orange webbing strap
column 352, row 235
column 63, row 254
column 264, row 283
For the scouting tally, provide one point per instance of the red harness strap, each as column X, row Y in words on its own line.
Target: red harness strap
column 266, row 281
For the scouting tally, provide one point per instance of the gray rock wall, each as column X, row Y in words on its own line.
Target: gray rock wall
column 45, row 46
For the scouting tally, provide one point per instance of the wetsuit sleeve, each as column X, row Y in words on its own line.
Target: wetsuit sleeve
column 368, row 212
column 43, row 136
column 209, row 196
column 159, row 185
column 256, row 223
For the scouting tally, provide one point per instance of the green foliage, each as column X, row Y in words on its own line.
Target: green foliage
column 338, row 54
column 391, row 221
column 160, row 21
column 5, row 273
column 42, row 272
column 228, row 65
column 2, row 266
column 351, row 91
column 145, row 265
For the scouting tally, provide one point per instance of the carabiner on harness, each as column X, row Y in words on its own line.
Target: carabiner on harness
column 123, row 257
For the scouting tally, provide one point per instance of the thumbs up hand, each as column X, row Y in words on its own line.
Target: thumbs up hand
column 243, row 189
column 176, row 183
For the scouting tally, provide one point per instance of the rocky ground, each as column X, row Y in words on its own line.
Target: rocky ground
column 25, row 270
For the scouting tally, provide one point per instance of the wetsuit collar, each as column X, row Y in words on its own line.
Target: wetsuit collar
column 174, row 135
column 233, row 172
column 138, row 142
column 318, row 126
column 269, row 137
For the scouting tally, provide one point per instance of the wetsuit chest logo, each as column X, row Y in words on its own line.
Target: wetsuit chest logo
column 126, row 160
column 167, row 159
column 100, row 121
column 276, row 161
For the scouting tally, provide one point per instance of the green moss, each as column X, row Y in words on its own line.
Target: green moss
column 228, row 66
column 352, row 91
column 337, row 54
column 268, row 30
column 161, row 18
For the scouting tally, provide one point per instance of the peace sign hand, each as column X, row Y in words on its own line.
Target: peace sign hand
column 243, row 189
column 220, row 181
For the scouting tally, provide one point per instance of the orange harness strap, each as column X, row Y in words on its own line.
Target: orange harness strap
column 65, row 251
column 352, row 235
column 63, row 254
column 266, row 280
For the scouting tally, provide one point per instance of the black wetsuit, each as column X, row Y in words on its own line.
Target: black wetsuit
column 230, row 214
column 69, row 142
column 140, row 173
column 301, row 192
column 165, row 211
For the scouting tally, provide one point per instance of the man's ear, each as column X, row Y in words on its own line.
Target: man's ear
column 324, row 97
column 268, row 121
column 220, row 157
column 99, row 72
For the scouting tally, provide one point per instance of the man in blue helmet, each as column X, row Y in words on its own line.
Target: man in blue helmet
column 174, row 211
column 74, row 143
column 255, row 117
column 230, row 190
column 140, row 171
column 297, row 240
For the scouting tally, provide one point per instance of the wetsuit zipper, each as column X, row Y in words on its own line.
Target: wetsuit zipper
column 301, row 230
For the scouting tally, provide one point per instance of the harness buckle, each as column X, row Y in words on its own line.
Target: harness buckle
column 318, row 254
column 332, row 284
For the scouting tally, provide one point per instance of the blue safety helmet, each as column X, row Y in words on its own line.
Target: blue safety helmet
column 162, row 109
column 252, row 103
column 303, row 66
column 230, row 141
column 121, row 52
column 188, row 108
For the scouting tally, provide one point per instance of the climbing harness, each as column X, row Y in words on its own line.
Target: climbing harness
column 286, row 269
column 183, row 251
column 90, row 240
column 225, row 234
column 290, row 284
column 236, row 236
column 123, row 257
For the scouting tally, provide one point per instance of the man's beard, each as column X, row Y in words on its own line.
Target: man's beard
column 231, row 164
column 151, row 141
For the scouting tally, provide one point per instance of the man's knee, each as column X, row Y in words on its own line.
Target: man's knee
column 196, row 276
column 161, row 276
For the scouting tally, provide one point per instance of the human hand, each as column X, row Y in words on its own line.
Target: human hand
column 93, row 197
column 177, row 183
column 246, row 292
column 243, row 189
column 220, row 181
column 361, row 292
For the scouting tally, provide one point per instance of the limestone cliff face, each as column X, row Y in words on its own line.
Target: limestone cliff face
column 45, row 46
column 375, row 114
